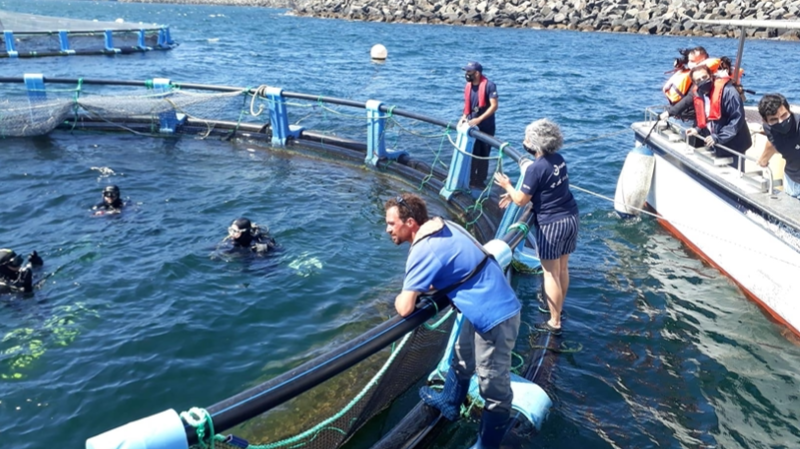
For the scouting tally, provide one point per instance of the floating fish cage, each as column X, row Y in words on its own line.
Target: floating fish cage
column 30, row 36
column 324, row 402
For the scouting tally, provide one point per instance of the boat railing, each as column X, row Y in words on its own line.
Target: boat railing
column 652, row 115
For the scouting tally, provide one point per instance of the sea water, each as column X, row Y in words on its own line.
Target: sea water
column 141, row 312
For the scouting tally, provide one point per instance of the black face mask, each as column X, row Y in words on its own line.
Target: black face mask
column 469, row 77
column 784, row 127
column 704, row 87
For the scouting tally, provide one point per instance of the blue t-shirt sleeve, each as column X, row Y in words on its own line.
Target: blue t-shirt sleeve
column 530, row 183
column 421, row 269
column 491, row 90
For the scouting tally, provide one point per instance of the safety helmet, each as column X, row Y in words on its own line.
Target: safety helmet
column 9, row 257
column 111, row 192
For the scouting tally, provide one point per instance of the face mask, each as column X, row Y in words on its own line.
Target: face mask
column 785, row 126
column 704, row 87
column 469, row 77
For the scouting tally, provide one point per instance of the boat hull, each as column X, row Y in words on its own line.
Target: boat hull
column 730, row 235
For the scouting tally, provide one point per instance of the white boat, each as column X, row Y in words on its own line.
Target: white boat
column 739, row 221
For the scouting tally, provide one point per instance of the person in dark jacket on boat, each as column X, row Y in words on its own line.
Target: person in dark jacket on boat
column 247, row 235
column 15, row 277
column 443, row 256
column 480, row 104
column 782, row 128
column 546, row 184
column 679, row 86
column 719, row 114
column 111, row 203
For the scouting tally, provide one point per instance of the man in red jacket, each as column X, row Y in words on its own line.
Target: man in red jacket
column 480, row 104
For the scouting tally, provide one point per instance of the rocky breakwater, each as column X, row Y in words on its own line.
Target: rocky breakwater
column 263, row 3
column 672, row 17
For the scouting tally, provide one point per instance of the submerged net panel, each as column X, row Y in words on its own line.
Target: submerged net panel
column 327, row 416
column 36, row 35
column 28, row 23
column 428, row 142
column 22, row 115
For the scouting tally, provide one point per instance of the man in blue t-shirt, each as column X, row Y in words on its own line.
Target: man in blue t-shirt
column 783, row 132
column 480, row 104
column 444, row 257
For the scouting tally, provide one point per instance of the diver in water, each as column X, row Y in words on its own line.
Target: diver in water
column 111, row 204
column 256, row 238
column 15, row 277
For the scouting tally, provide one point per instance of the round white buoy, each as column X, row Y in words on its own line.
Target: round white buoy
column 120, row 21
column 378, row 52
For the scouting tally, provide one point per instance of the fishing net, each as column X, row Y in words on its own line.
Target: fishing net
column 25, row 113
column 327, row 416
column 123, row 106
column 29, row 35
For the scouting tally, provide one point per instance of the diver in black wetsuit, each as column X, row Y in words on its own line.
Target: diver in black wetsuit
column 111, row 203
column 15, row 277
column 256, row 238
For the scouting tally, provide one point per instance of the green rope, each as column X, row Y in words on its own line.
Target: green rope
column 516, row 368
column 242, row 112
column 499, row 168
column 563, row 348
column 441, row 320
column 438, row 153
column 519, row 225
column 200, row 419
column 76, row 105
column 325, row 425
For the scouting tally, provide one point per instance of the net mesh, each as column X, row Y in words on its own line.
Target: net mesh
column 36, row 35
column 327, row 416
column 24, row 115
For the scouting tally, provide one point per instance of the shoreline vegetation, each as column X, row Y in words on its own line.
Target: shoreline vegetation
column 659, row 17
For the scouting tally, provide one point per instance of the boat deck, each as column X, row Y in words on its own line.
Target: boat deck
column 751, row 186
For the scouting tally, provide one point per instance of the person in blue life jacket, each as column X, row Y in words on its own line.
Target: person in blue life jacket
column 14, row 276
column 480, row 105
column 546, row 184
column 443, row 256
column 111, row 203
column 246, row 235
column 782, row 128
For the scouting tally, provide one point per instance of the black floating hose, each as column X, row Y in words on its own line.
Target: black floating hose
column 270, row 394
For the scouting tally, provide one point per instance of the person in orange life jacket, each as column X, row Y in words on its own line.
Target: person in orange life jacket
column 677, row 88
column 480, row 104
column 782, row 128
column 719, row 112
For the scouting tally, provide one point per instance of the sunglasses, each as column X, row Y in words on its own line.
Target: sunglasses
column 109, row 194
column 400, row 201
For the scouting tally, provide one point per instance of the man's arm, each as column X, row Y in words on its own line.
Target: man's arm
column 732, row 104
column 406, row 302
column 678, row 108
column 488, row 113
column 766, row 155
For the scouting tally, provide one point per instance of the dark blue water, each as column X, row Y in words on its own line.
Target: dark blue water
column 141, row 313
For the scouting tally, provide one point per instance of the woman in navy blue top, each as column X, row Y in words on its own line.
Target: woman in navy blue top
column 545, row 183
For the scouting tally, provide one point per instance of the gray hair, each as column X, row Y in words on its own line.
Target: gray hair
column 543, row 135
